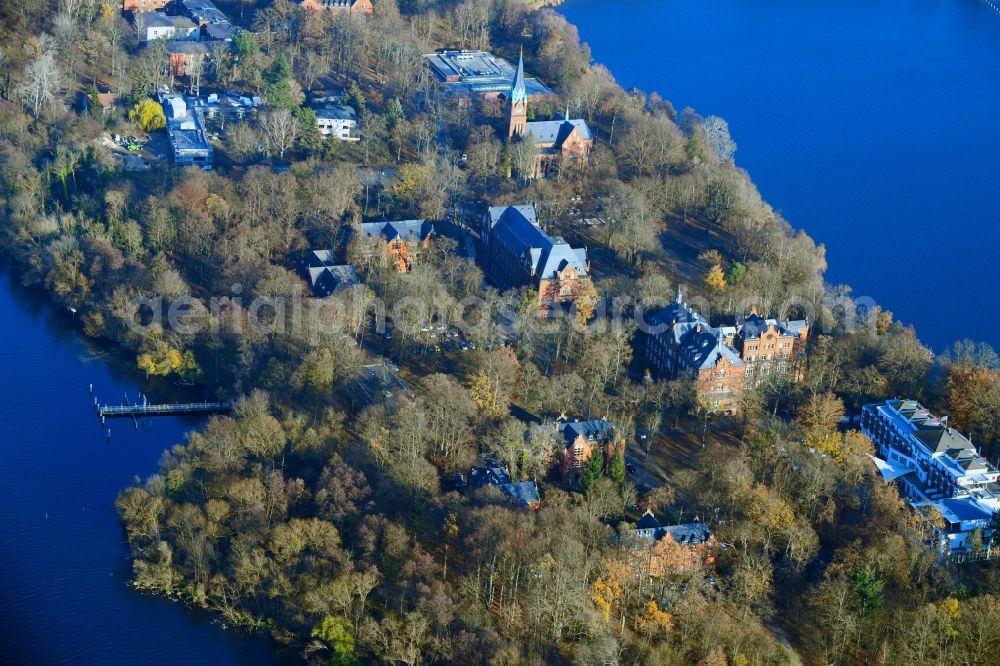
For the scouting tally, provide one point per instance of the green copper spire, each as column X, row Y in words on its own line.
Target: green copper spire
column 517, row 91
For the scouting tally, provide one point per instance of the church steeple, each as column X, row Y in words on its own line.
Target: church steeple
column 517, row 91
column 517, row 109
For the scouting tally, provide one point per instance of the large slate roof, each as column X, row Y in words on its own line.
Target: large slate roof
column 408, row 230
column 703, row 348
column 516, row 228
column 555, row 132
column 523, row 493
column 595, row 430
column 690, row 534
column 327, row 279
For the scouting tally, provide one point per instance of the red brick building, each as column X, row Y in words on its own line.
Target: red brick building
column 556, row 141
column 580, row 438
column 518, row 252
column 672, row 548
column 357, row 7
column 402, row 240
column 768, row 347
column 186, row 56
column 144, row 5
column 723, row 360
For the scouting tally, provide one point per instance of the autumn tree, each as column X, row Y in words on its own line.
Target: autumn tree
column 148, row 115
column 493, row 383
column 966, row 387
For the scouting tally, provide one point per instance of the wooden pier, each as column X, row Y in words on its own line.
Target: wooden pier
column 138, row 411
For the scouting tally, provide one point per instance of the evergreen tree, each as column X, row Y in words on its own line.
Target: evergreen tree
column 393, row 113
column 737, row 273
column 245, row 43
column 280, row 70
column 617, row 469
column 593, row 470
column 868, row 590
column 354, row 97
column 309, row 135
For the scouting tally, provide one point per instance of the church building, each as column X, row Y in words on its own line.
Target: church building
column 556, row 141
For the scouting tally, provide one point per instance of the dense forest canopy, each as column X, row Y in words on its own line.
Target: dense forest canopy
column 331, row 518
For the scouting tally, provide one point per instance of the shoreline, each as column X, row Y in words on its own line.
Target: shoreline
column 765, row 169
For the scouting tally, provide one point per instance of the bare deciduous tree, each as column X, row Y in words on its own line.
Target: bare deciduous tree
column 717, row 133
column 42, row 82
column 280, row 129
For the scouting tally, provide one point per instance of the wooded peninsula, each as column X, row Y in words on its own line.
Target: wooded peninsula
column 524, row 369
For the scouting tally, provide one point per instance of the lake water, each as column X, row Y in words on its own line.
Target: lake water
column 872, row 124
column 64, row 597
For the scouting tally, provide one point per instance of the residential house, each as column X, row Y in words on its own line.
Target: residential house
column 151, row 26
column 354, row 7
column 556, row 141
column 679, row 342
column 104, row 102
column 402, row 240
column 326, row 276
column 518, row 252
column 143, row 5
column 523, row 494
column 186, row 133
column 337, row 121
column 936, row 468
column 580, row 438
column 186, row 57
column 470, row 74
column 671, row 548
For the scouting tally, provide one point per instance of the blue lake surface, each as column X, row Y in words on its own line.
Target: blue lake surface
column 64, row 596
column 872, row 124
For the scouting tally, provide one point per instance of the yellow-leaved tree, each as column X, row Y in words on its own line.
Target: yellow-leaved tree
column 159, row 358
column 716, row 279
column 586, row 302
column 148, row 115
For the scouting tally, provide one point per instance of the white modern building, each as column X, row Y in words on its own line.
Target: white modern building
column 337, row 121
column 186, row 131
column 151, row 26
column 937, row 468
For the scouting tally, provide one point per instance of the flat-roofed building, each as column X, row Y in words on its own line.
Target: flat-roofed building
column 186, row 133
column 936, row 468
column 478, row 73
